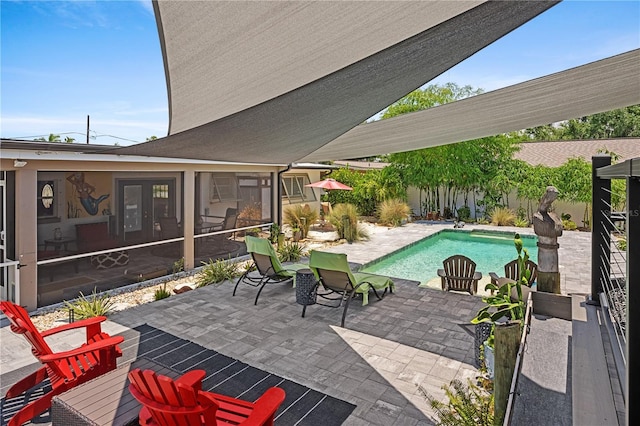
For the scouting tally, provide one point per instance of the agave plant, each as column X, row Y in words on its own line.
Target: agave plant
column 90, row 306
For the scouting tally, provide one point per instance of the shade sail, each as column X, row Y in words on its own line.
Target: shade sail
column 272, row 82
column 330, row 184
column 597, row 87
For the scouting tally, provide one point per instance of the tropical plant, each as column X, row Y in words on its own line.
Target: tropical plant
column 274, row 231
column 569, row 225
column 500, row 304
column 290, row 252
column 161, row 293
column 92, row 306
column 52, row 138
column 344, row 218
column 468, row 405
column 216, row 272
column 503, row 216
column 464, row 213
column 178, row 266
column 301, row 217
column 369, row 189
column 521, row 223
column 393, row 211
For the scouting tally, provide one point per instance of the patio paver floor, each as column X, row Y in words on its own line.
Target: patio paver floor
column 416, row 336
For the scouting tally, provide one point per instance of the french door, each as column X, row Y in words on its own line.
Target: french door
column 141, row 203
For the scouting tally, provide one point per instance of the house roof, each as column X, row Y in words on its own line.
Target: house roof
column 277, row 81
column 554, row 154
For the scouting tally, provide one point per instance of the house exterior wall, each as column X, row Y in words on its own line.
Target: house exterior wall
column 31, row 232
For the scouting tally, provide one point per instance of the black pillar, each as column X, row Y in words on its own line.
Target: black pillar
column 600, row 226
column 633, row 294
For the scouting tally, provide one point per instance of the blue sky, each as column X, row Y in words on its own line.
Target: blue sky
column 61, row 61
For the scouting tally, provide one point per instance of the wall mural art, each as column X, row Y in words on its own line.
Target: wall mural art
column 83, row 191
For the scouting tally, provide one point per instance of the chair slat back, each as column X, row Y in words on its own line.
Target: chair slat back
column 21, row 324
column 459, row 270
column 511, row 270
column 171, row 403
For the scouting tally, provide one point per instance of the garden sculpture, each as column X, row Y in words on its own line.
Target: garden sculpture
column 548, row 227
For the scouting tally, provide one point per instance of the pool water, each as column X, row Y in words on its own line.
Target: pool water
column 421, row 261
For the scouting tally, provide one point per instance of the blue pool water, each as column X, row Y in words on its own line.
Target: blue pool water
column 420, row 261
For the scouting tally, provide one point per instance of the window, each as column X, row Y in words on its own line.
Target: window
column 294, row 190
column 223, row 187
column 47, row 199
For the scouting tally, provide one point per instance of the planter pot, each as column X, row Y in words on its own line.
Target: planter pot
column 483, row 331
column 297, row 235
column 489, row 361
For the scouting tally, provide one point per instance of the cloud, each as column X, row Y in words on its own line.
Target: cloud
column 147, row 5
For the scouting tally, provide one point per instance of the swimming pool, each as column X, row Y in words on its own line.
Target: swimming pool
column 421, row 260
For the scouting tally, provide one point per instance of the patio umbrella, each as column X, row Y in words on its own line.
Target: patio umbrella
column 329, row 184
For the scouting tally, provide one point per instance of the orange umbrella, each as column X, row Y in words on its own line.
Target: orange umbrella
column 329, row 184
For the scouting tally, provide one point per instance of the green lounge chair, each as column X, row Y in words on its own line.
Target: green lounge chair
column 341, row 284
column 269, row 268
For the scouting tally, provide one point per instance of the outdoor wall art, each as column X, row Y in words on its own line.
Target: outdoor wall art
column 82, row 190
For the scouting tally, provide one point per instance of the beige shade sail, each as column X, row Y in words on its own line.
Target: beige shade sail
column 272, row 82
column 597, row 87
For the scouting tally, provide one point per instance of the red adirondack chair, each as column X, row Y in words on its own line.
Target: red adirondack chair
column 183, row 402
column 64, row 369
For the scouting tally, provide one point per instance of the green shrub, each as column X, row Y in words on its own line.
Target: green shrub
column 469, row 405
column 622, row 244
column 521, row 223
column 290, row 252
column 503, row 216
column 161, row 293
column 274, row 231
column 464, row 214
column 344, row 218
column 299, row 216
column 569, row 225
column 393, row 212
column 216, row 272
column 178, row 266
column 92, row 306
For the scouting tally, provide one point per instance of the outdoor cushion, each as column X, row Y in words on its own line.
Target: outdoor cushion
column 338, row 262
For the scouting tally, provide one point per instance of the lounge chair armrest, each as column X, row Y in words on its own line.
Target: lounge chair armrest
column 102, row 344
column 192, row 379
column 266, row 405
column 74, row 325
column 477, row 275
column 494, row 276
column 441, row 273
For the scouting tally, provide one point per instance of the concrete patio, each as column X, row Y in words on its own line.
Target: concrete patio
column 416, row 336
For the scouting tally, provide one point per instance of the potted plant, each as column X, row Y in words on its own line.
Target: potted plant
column 500, row 306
